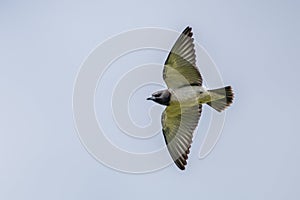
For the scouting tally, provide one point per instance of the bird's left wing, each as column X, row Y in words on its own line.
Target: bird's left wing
column 178, row 125
column 180, row 67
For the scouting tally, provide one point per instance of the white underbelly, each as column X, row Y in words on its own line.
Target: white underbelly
column 188, row 95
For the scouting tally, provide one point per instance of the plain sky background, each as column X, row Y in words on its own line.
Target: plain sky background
column 255, row 45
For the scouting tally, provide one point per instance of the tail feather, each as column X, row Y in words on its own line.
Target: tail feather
column 220, row 104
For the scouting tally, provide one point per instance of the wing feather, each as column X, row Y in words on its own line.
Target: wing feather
column 180, row 67
column 178, row 128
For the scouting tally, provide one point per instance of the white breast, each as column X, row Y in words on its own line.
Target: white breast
column 186, row 95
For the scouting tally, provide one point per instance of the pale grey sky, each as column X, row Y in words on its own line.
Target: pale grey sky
column 255, row 46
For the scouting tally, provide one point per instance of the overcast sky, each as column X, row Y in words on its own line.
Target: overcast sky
column 254, row 44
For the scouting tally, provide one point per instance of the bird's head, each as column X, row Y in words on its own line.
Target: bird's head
column 162, row 97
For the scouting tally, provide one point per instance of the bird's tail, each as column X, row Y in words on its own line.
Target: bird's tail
column 221, row 103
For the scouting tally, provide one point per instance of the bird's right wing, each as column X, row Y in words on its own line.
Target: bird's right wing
column 180, row 67
column 178, row 125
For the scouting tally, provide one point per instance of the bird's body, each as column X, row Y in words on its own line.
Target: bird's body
column 184, row 98
column 190, row 95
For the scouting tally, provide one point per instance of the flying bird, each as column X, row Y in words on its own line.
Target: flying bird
column 184, row 98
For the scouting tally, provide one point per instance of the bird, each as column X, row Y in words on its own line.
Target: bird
column 184, row 98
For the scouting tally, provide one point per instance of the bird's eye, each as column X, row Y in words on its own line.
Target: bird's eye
column 156, row 95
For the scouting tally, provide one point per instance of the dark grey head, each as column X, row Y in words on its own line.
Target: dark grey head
column 162, row 97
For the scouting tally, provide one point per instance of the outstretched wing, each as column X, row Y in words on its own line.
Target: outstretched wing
column 180, row 67
column 178, row 125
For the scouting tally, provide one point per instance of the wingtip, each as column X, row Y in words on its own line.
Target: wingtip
column 181, row 162
column 180, row 165
column 188, row 31
column 189, row 28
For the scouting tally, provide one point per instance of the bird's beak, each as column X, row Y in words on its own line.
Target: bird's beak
column 150, row 98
